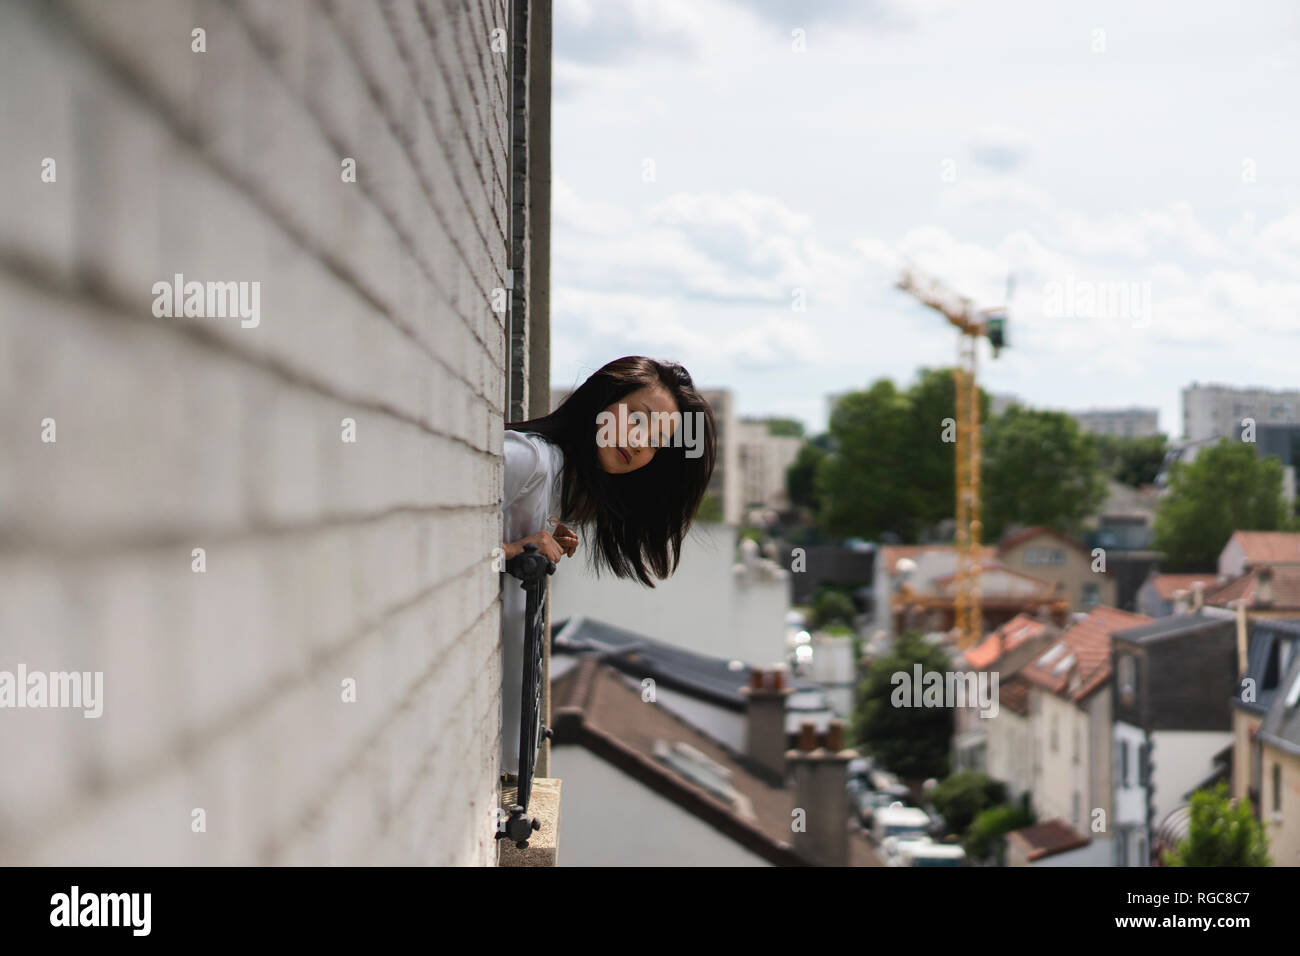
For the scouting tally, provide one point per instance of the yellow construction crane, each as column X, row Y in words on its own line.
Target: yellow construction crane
column 972, row 326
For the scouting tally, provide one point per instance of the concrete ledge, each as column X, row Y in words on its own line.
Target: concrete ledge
column 544, row 845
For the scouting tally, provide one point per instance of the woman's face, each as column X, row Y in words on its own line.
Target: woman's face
column 632, row 446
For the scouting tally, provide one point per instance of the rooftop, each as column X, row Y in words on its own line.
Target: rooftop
column 713, row 679
column 1281, row 725
column 1018, row 630
column 1174, row 625
column 1245, row 587
column 1048, row 839
column 1079, row 662
column 890, row 555
column 1166, row 584
column 595, row 706
column 1269, row 547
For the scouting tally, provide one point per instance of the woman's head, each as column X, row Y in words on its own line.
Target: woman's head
column 639, row 450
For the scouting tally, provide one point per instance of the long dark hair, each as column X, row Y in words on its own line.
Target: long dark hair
column 638, row 519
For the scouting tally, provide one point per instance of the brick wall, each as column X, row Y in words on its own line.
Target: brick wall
column 326, row 560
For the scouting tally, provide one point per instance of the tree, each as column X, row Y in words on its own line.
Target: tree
column 984, row 838
column 710, row 510
column 1227, row 488
column 961, row 797
column 1131, row 461
column 1221, row 832
column 931, row 461
column 1039, row 469
column 789, row 427
column 913, row 742
column 831, row 606
column 863, row 486
column 801, row 477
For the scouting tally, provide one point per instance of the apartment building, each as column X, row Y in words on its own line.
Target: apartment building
column 725, row 486
column 1070, row 711
column 1216, row 411
column 1171, row 682
column 764, row 459
column 1120, row 422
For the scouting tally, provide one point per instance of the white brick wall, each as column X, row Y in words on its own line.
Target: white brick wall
column 325, row 560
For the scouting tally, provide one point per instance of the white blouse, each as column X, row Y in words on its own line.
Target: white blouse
column 533, row 483
column 530, row 503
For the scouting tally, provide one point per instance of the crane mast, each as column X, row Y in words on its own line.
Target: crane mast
column 972, row 326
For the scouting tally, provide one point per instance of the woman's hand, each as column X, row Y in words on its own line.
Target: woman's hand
column 566, row 539
column 547, row 546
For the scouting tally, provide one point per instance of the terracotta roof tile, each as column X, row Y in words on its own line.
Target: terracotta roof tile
column 1021, row 628
column 1013, row 694
column 1079, row 662
column 1167, row 584
column 1047, row 588
column 1028, row 534
column 1286, row 588
column 1048, row 838
column 1269, row 547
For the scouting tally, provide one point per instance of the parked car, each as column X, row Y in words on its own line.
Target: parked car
column 868, row 802
column 902, row 822
column 886, row 782
column 929, row 853
column 892, row 848
column 859, row 767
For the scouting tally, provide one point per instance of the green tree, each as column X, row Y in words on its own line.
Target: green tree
column 961, row 797
column 1220, row 833
column 801, row 477
column 788, row 427
column 831, row 607
column 863, row 485
column 929, row 461
column 913, row 742
column 710, row 510
column 1131, row 461
column 1227, row 488
column 984, row 838
column 1039, row 469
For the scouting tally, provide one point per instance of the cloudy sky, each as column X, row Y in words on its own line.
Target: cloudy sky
column 738, row 183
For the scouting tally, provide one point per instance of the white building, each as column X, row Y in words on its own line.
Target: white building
column 1120, row 422
column 1216, row 411
column 764, row 459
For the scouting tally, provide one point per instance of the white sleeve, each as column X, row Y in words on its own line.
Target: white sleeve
column 525, row 469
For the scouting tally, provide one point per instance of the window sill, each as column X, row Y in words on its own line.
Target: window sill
column 544, row 844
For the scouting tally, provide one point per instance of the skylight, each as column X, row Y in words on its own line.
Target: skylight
column 1056, row 651
column 1066, row 663
column 1293, row 695
column 703, row 771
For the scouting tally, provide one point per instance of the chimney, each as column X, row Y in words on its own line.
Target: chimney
column 820, row 778
column 1263, row 587
column 765, row 718
column 1181, row 604
column 1198, row 596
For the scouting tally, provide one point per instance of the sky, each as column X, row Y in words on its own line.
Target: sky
column 738, row 184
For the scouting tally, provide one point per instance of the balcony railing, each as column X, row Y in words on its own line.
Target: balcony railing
column 531, row 568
